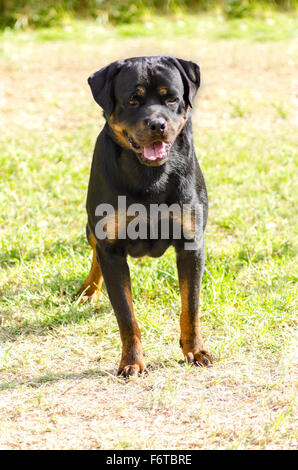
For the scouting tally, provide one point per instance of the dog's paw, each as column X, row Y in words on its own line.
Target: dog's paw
column 132, row 371
column 199, row 358
column 93, row 298
column 91, row 295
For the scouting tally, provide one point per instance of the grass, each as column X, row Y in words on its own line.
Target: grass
column 273, row 27
column 58, row 387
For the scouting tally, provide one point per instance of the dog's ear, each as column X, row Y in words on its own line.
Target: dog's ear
column 102, row 86
column 190, row 73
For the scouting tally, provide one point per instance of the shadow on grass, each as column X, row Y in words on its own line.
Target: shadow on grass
column 12, row 256
column 57, row 377
column 96, row 373
column 65, row 313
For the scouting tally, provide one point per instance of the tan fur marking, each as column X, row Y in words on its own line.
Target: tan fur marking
column 140, row 91
column 189, row 330
column 188, row 225
column 94, row 280
column 116, row 224
column 118, row 129
column 184, row 119
column 163, row 90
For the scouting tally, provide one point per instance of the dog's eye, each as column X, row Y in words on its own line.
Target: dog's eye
column 172, row 100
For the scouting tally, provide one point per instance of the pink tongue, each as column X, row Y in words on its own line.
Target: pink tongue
column 155, row 151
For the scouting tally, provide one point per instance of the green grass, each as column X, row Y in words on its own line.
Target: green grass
column 274, row 27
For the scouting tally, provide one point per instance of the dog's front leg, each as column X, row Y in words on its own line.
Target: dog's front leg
column 190, row 266
column 115, row 272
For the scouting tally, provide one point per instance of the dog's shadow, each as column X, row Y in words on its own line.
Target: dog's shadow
column 61, row 300
column 52, row 377
column 97, row 374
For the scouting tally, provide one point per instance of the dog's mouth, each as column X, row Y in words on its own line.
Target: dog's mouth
column 155, row 153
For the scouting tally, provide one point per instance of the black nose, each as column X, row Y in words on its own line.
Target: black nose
column 157, row 125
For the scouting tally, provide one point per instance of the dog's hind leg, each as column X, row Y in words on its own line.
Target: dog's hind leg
column 91, row 287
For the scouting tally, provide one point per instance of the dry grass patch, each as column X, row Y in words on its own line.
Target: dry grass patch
column 233, row 406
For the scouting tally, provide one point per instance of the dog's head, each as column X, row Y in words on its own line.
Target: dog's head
column 145, row 101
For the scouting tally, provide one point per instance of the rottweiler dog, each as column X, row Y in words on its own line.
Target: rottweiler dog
column 144, row 157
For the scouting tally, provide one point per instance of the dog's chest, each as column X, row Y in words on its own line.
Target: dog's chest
column 139, row 248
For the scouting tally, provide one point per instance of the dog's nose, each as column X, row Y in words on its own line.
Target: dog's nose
column 157, row 125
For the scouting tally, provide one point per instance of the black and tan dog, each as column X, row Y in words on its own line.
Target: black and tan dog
column 145, row 153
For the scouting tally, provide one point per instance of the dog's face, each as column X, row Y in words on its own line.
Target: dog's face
column 145, row 101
